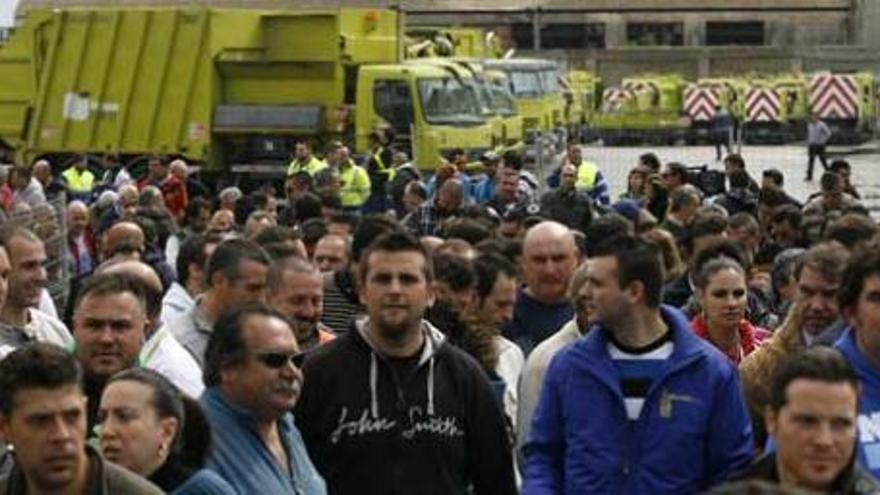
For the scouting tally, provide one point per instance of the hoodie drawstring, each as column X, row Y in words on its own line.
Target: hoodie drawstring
column 431, row 386
column 374, row 379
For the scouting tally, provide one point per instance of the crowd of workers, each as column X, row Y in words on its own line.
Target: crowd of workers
column 376, row 331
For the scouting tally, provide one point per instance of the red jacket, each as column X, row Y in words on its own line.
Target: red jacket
column 750, row 338
column 174, row 192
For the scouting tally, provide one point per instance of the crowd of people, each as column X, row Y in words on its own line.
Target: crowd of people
column 476, row 330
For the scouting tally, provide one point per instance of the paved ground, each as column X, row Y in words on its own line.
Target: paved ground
column 615, row 163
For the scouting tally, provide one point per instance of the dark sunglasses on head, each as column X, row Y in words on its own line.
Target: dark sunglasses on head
column 276, row 360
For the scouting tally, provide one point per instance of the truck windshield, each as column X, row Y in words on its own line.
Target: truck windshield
column 446, row 101
column 483, row 96
column 502, row 101
column 549, row 82
column 525, row 84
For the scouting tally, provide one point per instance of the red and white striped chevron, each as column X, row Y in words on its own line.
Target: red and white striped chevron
column 641, row 87
column 834, row 96
column 762, row 105
column 700, row 102
column 613, row 98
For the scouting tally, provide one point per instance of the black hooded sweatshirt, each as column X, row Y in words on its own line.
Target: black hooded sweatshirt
column 427, row 425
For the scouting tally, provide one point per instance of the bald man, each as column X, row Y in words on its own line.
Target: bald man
column 550, row 256
column 125, row 239
column 161, row 352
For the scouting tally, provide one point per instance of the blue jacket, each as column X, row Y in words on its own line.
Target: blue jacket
column 693, row 432
column 241, row 458
column 868, row 446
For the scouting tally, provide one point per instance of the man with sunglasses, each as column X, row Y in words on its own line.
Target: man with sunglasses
column 253, row 380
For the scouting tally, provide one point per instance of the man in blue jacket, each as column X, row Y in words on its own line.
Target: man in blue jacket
column 640, row 405
column 859, row 301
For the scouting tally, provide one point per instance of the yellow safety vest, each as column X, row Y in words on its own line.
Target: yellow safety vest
column 586, row 176
column 355, row 185
column 382, row 167
column 312, row 166
column 79, row 182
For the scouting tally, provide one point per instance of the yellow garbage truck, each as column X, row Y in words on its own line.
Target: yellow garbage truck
column 228, row 89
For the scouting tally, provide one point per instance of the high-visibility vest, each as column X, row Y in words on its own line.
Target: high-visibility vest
column 586, row 176
column 381, row 166
column 355, row 185
column 79, row 182
column 312, row 166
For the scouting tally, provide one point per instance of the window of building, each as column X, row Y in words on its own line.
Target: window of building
column 573, row 36
column 523, row 36
column 734, row 33
column 655, row 33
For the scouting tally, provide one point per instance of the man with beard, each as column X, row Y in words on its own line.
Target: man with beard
column 391, row 407
column 640, row 405
column 296, row 290
column 253, row 380
column 42, row 416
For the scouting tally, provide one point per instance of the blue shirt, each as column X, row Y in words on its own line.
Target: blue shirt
column 868, row 446
column 239, row 455
column 534, row 321
column 483, row 190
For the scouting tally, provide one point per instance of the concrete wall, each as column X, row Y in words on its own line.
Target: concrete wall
column 808, row 34
column 614, row 64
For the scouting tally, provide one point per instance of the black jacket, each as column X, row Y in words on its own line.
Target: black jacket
column 568, row 207
column 373, row 428
column 854, row 480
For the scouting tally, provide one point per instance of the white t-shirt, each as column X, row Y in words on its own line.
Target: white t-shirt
column 163, row 354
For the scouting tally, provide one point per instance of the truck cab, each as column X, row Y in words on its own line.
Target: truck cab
column 430, row 112
column 534, row 85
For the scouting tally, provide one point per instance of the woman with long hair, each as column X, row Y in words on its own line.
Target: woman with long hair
column 722, row 295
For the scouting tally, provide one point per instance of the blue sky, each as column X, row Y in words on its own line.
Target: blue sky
column 7, row 8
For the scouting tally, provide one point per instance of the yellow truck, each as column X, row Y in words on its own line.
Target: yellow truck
column 535, row 88
column 495, row 102
column 428, row 42
column 227, row 89
column 582, row 91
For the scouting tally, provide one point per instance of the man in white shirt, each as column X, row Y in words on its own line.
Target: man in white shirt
column 20, row 320
column 161, row 352
column 191, row 261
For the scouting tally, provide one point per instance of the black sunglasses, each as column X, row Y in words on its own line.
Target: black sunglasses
column 276, row 360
